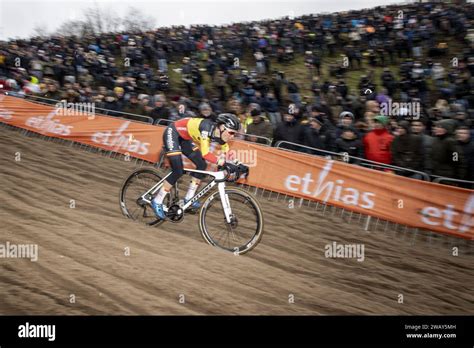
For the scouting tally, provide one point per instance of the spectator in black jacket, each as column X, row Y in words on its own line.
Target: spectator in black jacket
column 290, row 130
column 220, row 83
column 388, row 81
column 134, row 106
column 407, row 150
column 342, row 88
column 160, row 111
column 319, row 134
column 111, row 104
column 198, row 82
column 447, row 155
column 463, row 135
column 276, row 84
column 346, row 119
column 52, row 92
column 294, row 92
column 205, row 111
column 270, row 105
column 418, row 127
column 350, row 144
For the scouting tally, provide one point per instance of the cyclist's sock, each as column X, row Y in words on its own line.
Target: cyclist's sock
column 159, row 198
column 191, row 190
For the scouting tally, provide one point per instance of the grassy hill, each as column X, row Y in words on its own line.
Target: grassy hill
column 297, row 71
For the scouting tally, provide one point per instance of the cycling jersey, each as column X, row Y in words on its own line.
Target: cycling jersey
column 199, row 130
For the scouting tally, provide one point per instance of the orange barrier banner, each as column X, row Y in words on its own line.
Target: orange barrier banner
column 416, row 203
column 384, row 195
column 109, row 133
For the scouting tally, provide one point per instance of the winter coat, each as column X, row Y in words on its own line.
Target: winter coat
column 292, row 132
column 323, row 139
column 377, row 146
column 447, row 157
column 112, row 107
column 292, row 88
column 353, row 147
column 407, row 152
column 264, row 129
column 427, row 144
column 468, row 151
column 160, row 113
column 270, row 104
column 134, row 108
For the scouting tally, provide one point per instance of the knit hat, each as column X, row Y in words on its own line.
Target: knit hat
column 447, row 124
column 255, row 112
column 346, row 114
column 204, row 106
column 317, row 108
column 159, row 98
column 317, row 119
column 118, row 90
column 381, row 119
column 255, row 106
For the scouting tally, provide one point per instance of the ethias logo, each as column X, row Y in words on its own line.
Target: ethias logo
column 119, row 140
column 48, row 124
column 329, row 190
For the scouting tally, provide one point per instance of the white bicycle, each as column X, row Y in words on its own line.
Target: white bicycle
column 229, row 218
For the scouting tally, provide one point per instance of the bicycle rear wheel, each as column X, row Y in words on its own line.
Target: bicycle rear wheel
column 133, row 187
column 243, row 233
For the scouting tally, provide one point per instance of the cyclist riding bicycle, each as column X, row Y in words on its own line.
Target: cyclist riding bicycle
column 180, row 138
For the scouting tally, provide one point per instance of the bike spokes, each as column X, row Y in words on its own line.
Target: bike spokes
column 244, row 229
column 131, row 201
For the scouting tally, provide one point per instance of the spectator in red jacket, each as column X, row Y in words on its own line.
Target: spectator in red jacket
column 378, row 141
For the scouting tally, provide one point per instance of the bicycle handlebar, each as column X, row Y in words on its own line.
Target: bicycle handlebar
column 241, row 170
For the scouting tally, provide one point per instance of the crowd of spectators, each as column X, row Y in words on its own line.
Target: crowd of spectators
column 128, row 73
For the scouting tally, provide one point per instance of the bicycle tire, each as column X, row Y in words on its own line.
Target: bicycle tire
column 127, row 203
column 206, row 216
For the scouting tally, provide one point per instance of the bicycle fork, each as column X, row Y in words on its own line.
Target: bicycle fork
column 225, row 202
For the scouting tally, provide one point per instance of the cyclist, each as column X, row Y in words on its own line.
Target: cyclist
column 180, row 138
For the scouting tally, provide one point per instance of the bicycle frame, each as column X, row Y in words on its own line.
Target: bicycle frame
column 218, row 180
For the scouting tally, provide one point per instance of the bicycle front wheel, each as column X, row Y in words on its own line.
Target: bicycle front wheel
column 246, row 228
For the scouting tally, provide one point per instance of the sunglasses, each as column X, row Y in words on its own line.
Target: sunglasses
column 230, row 131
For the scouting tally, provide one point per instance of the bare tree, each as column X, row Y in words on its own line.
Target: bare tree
column 40, row 30
column 93, row 19
column 74, row 28
column 112, row 22
column 136, row 21
column 96, row 21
